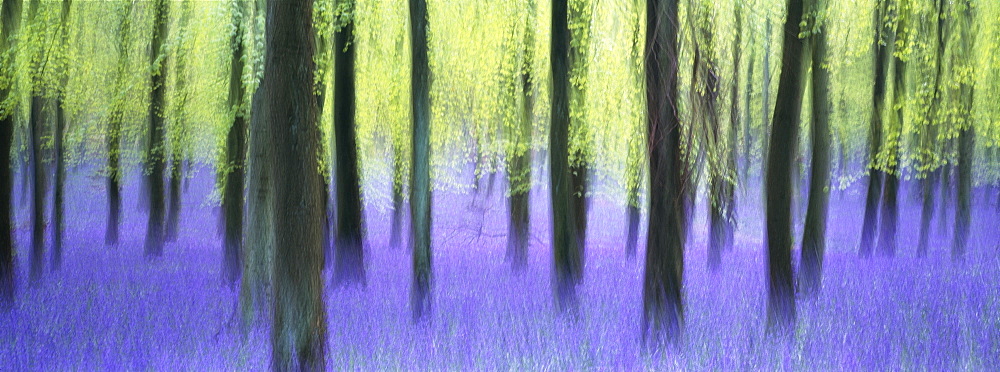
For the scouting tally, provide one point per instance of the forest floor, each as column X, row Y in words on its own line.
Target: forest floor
column 109, row 308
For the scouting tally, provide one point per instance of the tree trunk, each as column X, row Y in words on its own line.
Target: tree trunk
column 784, row 137
column 349, row 263
column 663, row 309
column 875, row 176
column 519, row 168
column 236, row 150
column 154, row 151
column 634, row 173
column 568, row 269
column 814, row 232
column 729, row 184
column 930, row 136
column 966, row 139
column 890, row 209
column 396, row 225
column 420, row 184
column 57, row 148
column 285, row 101
column 38, row 189
column 10, row 22
column 177, row 130
column 113, row 135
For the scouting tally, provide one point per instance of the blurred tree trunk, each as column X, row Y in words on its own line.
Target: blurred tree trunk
column 712, row 146
column 947, row 173
column 519, row 168
column 890, row 210
column 36, row 127
column 154, row 151
column 580, row 14
column 113, row 135
column 966, row 135
column 10, row 22
column 929, row 137
column 814, row 232
column 420, row 183
column 349, row 265
column 882, row 50
column 396, row 225
column 784, row 135
column 178, row 130
column 663, row 309
column 285, row 101
column 729, row 184
column 633, row 209
column 236, row 151
column 57, row 141
column 567, row 258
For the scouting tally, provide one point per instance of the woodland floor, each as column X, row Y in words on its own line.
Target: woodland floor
column 109, row 308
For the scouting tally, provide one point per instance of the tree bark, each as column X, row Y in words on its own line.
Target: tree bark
column 57, row 148
column 285, row 101
column 113, row 135
column 875, row 176
column 784, row 137
column 930, row 136
column 177, row 130
column 663, row 309
column 568, row 269
column 349, row 255
column 154, row 152
column 814, row 232
column 38, row 189
column 966, row 139
column 420, row 183
column 519, row 167
column 236, row 151
column 890, row 210
column 10, row 22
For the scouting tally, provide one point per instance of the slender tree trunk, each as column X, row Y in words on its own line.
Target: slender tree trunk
column 947, row 173
column 10, row 22
column 519, row 168
column 814, row 232
column 177, row 130
column 285, row 101
column 784, row 135
column 663, row 308
column 113, row 134
column 420, row 184
column 966, row 140
column 580, row 14
column 350, row 256
column 565, row 237
column 154, row 152
column 633, row 210
column 930, row 135
column 396, row 225
column 729, row 184
column 236, row 151
column 875, row 176
column 57, row 148
column 38, row 189
column 890, row 209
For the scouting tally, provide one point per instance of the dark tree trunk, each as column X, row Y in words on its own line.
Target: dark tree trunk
column 663, row 309
column 814, row 232
column 420, row 184
column 177, row 130
column 729, row 184
column 947, row 173
column 286, row 102
column 875, row 176
column 10, row 22
column 113, row 134
column 396, row 225
column 38, row 189
column 519, row 168
column 966, row 140
column 784, row 137
column 154, row 152
column 568, row 270
column 579, row 178
column 57, row 148
column 929, row 137
column 236, row 150
column 890, row 194
column 349, row 263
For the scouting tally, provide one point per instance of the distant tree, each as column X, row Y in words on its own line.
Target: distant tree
column 349, row 262
column 568, row 258
column 663, row 307
column 58, row 134
column 236, row 151
column 10, row 24
column 890, row 210
column 784, row 136
column 580, row 17
column 154, row 148
column 285, row 102
column 883, row 42
column 814, row 232
column 929, row 136
column 420, row 184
